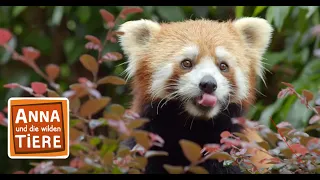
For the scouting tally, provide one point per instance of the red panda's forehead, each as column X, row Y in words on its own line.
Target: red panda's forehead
column 205, row 35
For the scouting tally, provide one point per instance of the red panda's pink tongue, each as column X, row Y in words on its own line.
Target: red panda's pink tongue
column 207, row 100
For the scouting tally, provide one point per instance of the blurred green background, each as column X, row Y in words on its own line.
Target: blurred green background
column 58, row 32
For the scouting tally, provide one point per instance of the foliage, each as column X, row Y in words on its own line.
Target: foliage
column 291, row 145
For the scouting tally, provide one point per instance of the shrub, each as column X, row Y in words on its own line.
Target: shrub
column 289, row 150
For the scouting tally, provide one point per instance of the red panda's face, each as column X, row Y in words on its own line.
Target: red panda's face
column 205, row 64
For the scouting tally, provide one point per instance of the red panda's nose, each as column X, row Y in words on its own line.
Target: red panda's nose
column 208, row 84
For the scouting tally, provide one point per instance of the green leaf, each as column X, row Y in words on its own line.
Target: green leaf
column 221, row 156
column 198, row 170
column 311, row 10
column 17, row 10
column 116, row 170
column 277, row 14
column 239, row 11
column 73, row 49
column 142, row 138
column 170, row 13
column 84, row 13
column 173, row 169
column 89, row 62
column 137, row 123
column 57, row 15
column 74, row 122
column 264, row 145
column 298, row 115
column 241, row 136
column 6, row 55
column 108, row 158
column 115, row 80
column 95, row 141
column 117, row 109
column 191, row 150
column 201, row 11
column 270, row 14
column 258, row 10
column 92, row 106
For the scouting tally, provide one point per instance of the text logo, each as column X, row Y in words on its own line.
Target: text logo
column 38, row 128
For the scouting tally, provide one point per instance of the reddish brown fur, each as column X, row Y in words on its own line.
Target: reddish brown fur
column 207, row 35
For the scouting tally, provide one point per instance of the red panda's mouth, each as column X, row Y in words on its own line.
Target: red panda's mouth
column 207, row 100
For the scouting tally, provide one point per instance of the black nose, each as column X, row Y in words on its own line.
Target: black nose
column 208, row 84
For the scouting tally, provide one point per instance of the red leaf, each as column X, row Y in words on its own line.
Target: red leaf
column 239, row 120
column 11, row 85
column 313, row 141
column 316, row 30
column 211, row 147
column 263, row 160
column 230, row 142
column 131, row 115
column 1, row 116
column 112, row 56
column 53, row 71
column 5, row 36
column 307, row 94
column 30, row 53
column 113, row 39
column 288, row 84
column 39, row 87
column 314, row 119
column 82, row 80
column 298, row 148
column 317, row 109
column 91, row 45
column 119, row 126
column 241, row 152
column 225, row 134
column 284, row 92
column 156, row 138
column 76, row 163
column 284, row 124
column 274, row 160
column 5, row 109
column 93, row 39
column 3, row 120
column 108, row 17
column 130, row 10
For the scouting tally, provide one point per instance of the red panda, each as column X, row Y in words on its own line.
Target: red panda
column 190, row 78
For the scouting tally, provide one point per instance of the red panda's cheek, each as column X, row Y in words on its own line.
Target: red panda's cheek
column 231, row 77
column 173, row 81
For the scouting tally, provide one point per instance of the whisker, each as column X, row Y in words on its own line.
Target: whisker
column 260, row 92
column 192, row 123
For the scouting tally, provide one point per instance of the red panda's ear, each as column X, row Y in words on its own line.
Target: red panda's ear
column 256, row 32
column 135, row 38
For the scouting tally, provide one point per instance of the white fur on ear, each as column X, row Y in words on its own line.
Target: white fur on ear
column 135, row 40
column 256, row 32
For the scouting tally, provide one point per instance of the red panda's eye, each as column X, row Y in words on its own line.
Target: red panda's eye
column 223, row 67
column 186, row 64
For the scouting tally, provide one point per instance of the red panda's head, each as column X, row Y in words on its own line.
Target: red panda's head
column 205, row 64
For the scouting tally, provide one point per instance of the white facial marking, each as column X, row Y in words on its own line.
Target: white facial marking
column 192, row 110
column 189, row 85
column 159, row 80
column 223, row 55
column 188, row 52
column 242, row 83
